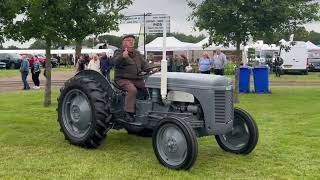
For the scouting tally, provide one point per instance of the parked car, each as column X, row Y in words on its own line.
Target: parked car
column 42, row 60
column 54, row 61
column 314, row 61
column 2, row 65
column 314, row 64
column 12, row 60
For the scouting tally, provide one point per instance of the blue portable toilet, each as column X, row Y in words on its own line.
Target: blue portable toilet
column 261, row 79
column 244, row 79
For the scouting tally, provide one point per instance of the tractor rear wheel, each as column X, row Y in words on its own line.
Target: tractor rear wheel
column 244, row 135
column 175, row 144
column 83, row 112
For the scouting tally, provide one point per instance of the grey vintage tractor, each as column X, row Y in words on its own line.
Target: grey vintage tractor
column 196, row 105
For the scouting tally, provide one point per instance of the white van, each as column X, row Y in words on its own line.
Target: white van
column 296, row 59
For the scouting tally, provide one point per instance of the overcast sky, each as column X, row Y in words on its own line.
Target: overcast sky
column 176, row 9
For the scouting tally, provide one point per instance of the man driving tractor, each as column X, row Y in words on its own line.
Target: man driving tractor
column 129, row 63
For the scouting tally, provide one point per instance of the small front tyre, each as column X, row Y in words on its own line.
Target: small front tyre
column 244, row 135
column 175, row 144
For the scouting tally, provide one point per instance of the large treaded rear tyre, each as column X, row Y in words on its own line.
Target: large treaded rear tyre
column 83, row 112
column 175, row 144
column 244, row 135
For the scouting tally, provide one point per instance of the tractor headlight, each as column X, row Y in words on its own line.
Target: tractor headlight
column 229, row 88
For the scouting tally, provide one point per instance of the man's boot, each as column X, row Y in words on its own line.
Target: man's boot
column 129, row 118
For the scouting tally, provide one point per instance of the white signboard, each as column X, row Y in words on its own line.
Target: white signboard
column 153, row 23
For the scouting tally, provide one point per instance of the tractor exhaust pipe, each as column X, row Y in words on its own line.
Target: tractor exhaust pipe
column 164, row 67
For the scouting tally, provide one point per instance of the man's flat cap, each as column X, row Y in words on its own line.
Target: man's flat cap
column 127, row 36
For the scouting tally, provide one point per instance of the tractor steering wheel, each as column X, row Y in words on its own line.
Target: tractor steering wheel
column 148, row 71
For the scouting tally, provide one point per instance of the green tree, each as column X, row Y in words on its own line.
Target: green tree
column 93, row 17
column 314, row 37
column 42, row 20
column 41, row 44
column 8, row 11
column 38, row 44
column 238, row 20
column 300, row 34
column 187, row 38
column 112, row 40
column 12, row 47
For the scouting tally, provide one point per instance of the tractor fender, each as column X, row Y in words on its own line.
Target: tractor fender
column 105, row 83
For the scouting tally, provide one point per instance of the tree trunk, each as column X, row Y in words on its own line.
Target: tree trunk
column 78, row 47
column 47, row 93
column 237, row 73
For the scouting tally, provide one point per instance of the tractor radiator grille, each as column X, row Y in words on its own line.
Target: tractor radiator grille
column 223, row 111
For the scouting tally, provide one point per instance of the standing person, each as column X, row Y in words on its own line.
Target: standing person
column 36, row 70
column 184, row 62
column 205, row 64
column 219, row 62
column 71, row 62
column 128, row 65
column 176, row 64
column 80, row 64
column 32, row 63
column 59, row 60
column 105, row 65
column 94, row 64
column 86, row 59
column 278, row 62
column 169, row 64
column 24, row 69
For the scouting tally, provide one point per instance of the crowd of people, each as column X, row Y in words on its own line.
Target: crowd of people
column 217, row 63
column 103, row 64
column 98, row 62
column 178, row 63
column 206, row 65
column 35, row 66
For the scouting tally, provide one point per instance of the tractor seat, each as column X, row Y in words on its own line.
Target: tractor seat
column 115, row 85
column 143, row 94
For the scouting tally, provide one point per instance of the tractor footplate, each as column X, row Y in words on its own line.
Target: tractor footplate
column 134, row 123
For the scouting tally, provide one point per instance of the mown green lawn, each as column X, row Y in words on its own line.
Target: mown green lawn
column 9, row 73
column 16, row 72
column 311, row 77
column 32, row 147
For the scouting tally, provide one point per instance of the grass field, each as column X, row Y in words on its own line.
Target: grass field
column 311, row 77
column 15, row 72
column 9, row 73
column 32, row 147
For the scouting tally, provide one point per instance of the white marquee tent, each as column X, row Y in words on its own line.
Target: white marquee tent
column 200, row 45
column 172, row 44
column 312, row 47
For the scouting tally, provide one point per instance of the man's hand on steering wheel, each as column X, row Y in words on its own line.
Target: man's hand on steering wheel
column 153, row 69
column 150, row 70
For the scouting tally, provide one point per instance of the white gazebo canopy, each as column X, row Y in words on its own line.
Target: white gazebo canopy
column 172, row 44
column 199, row 46
column 312, row 47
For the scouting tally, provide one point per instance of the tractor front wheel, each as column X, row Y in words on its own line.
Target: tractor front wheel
column 243, row 137
column 175, row 144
